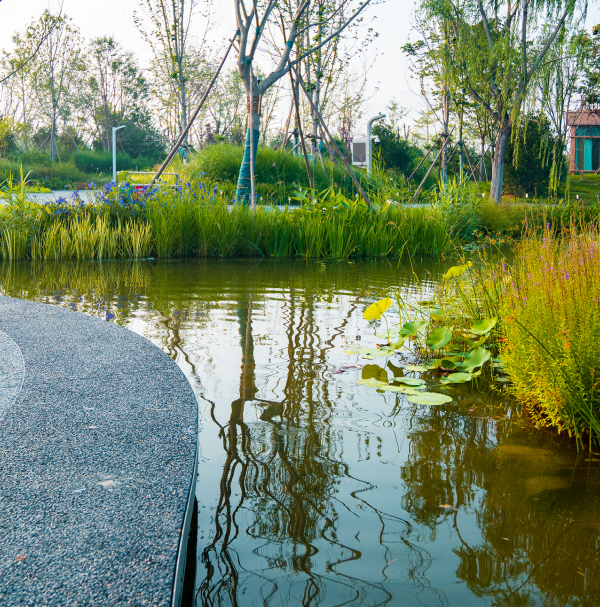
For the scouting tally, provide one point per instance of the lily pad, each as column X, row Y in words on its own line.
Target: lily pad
column 431, row 399
column 474, row 359
column 446, row 363
column 401, row 389
column 416, row 368
column 478, row 343
column 412, row 328
column 371, row 382
column 410, row 381
column 456, row 271
column 374, row 372
column 483, row 326
column 457, row 378
column 374, row 311
column 439, row 338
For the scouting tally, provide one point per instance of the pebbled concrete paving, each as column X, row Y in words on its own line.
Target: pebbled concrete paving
column 97, row 461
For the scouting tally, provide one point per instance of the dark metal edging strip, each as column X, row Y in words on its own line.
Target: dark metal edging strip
column 183, row 540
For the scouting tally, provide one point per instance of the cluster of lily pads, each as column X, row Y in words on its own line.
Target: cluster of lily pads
column 457, row 354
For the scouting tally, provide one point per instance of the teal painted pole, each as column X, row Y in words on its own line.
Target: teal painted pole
column 244, row 185
column 587, row 154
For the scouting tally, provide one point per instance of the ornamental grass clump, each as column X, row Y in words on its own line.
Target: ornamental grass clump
column 551, row 312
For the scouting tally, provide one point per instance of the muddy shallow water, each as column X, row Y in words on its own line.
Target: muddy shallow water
column 314, row 490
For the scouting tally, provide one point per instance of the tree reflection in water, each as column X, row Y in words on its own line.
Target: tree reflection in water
column 288, row 474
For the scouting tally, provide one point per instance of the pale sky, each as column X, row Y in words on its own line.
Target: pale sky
column 388, row 78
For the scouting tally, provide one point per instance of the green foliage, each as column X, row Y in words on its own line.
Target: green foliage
column 460, row 358
column 397, row 153
column 550, row 295
column 529, row 158
column 279, row 174
column 55, row 176
column 8, row 144
column 101, row 162
column 193, row 220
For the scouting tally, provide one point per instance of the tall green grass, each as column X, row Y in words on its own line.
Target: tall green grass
column 550, row 303
column 189, row 221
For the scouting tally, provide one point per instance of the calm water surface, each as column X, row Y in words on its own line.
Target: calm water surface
column 316, row 491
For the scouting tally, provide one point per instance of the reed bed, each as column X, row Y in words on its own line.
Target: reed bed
column 549, row 302
column 191, row 221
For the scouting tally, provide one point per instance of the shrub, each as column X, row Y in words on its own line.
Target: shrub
column 101, row 162
column 279, row 174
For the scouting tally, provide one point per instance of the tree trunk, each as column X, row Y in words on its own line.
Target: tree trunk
column 460, row 146
column 243, row 185
column 317, row 99
column 184, row 119
column 445, row 121
column 53, row 137
column 482, row 161
column 501, row 146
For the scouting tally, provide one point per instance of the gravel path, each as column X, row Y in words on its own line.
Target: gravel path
column 97, row 462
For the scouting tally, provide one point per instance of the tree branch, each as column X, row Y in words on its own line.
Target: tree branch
column 485, row 24
column 38, row 47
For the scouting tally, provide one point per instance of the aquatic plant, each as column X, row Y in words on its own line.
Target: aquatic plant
column 447, row 345
column 197, row 220
column 550, row 304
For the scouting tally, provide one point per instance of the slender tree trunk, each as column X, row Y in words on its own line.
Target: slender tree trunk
column 460, row 146
column 184, row 120
column 317, row 98
column 244, row 185
column 53, row 136
column 445, row 120
column 501, row 146
column 297, row 129
column 482, row 161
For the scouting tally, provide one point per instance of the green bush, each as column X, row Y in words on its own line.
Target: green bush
column 101, row 162
column 279, row 174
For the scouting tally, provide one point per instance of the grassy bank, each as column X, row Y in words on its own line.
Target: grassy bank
column 74, row 172
column 195, row 221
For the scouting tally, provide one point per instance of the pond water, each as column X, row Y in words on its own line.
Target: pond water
column 316, row 491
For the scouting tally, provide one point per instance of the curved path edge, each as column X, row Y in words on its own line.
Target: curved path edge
column 97, row 463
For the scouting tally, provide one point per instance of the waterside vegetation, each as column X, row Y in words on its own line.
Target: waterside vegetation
column 198, row 219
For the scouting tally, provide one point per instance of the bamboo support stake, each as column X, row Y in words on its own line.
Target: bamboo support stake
column 432, row 165
column 310, row 179
column 422, row 160
column 333, row 143
column 179, row 141
column 464, row 147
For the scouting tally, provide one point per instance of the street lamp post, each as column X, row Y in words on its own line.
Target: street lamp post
column 114, row 150
column 370, row 141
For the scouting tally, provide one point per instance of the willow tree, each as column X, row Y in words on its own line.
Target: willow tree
column 500, row 48
column 252, row 20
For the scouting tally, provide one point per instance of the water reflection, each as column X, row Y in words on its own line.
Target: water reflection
column 316, row 491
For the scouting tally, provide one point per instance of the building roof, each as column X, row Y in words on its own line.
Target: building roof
column 584, row 116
